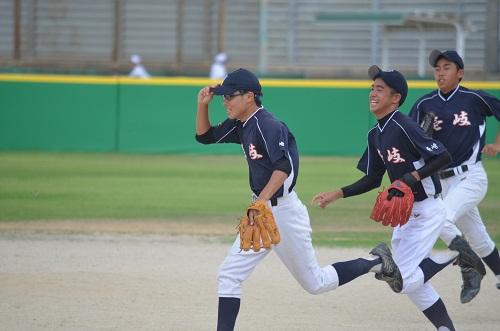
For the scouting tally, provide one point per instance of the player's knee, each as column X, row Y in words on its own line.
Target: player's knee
column 314, row 290
column 482, row 248
column 317, row 287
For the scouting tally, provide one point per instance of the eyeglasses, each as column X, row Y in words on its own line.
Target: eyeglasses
column 231, row 96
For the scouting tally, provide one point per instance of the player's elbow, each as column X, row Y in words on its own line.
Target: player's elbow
column 446, row 159
column 205, row 138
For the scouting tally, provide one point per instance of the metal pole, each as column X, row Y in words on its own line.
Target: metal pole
column 421, row 51
column 385, row 50
column 179, row 32
column 17, row 30
column 263, row 36
column 460, row 39
column 375, row 36
column 115, row 55
column 221, row 16
column 492, row 37
column 292, row 31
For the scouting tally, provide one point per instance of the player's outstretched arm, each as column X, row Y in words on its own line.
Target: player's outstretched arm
column 363, row 185
column 323, row 199
column 492, row 149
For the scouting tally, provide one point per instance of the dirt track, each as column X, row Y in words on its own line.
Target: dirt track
column 111, row 281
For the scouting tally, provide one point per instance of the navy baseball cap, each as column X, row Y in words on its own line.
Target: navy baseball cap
column 238, row 80
column 392, row 78
column 449, row 55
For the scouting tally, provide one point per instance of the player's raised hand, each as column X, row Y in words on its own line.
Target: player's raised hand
column 205, row 96
column 323, row 199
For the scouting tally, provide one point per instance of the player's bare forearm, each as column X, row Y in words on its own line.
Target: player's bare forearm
column 492, row 149
column 277, row 179
column 323, row 199
column 202, row 118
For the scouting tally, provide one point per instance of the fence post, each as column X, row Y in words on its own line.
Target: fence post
column 17, row 30
column 117, row 33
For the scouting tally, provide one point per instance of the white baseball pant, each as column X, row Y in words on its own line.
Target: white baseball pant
column 461, row 194
column 295, row 250
column 413, row 242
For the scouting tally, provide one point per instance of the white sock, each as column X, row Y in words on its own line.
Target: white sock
column 376, row 268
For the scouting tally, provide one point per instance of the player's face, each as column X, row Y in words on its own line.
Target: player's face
column 237, row 105
column 447, row 75
column 382, row 98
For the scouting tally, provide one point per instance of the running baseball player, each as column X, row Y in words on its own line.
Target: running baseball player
column 270, row 150
column 459, row 123
column 397, row 144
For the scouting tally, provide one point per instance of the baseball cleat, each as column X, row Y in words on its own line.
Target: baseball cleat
column 390, row 271
column 466, row 256
column 472, row 283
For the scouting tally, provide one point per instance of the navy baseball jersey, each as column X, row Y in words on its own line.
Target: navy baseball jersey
column 264, row 140
column 397, row 144
column 460, row 122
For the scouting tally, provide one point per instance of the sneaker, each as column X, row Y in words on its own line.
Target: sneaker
column 472, row 283
column 466, row 256
column 390, row 271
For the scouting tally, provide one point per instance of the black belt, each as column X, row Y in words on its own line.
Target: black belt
column 274, row 202
column 450, row 173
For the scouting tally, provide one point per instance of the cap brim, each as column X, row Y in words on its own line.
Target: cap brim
column 223, row 90
column 374, row 71
column 434, row 57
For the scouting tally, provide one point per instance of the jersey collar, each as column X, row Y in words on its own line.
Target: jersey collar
column 450, row 96
column 386, row 119
column 255, row 112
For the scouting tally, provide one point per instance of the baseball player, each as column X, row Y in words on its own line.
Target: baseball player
column 459, row 124
column 270, row 150
column 397, row 144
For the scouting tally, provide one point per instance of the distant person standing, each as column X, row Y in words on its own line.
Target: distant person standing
column 138, row 71
column 218, row 69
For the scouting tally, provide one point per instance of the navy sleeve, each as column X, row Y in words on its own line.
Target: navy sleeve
column 371, row 163
column 425, row 145
column 225, row 132
column 489, row 105
column 275, row 137
column 414, row 112
column 363, row 185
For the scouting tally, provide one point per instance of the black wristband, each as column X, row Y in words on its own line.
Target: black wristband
column 408, row 179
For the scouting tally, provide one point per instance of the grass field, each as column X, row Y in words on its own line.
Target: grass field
column 202, row 190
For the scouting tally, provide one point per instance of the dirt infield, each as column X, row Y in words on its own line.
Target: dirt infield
column 56, row 280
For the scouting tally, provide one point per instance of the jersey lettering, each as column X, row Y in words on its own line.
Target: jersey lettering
column 252, row 152
column 437, row 124
column 462, row 119
column 394, row 156
column 431, row 147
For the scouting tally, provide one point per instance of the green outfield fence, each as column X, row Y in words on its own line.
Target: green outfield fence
column 121, row 114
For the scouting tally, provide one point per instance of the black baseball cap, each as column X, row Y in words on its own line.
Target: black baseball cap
column 238, row 80
column 392, row 78
column 449, row 55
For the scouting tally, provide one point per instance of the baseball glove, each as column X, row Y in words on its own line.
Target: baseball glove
column 263, row 233
column 428, row 123
column 393, row 206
